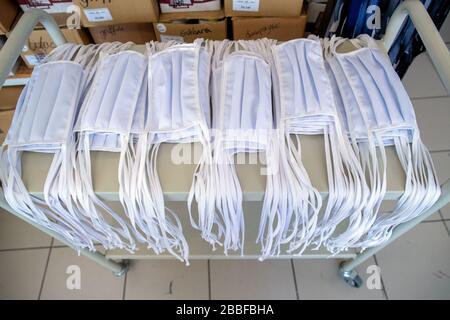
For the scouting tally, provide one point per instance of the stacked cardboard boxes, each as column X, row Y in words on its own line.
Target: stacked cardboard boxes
column 186, row 27
column 253, row 19
column 39, row 43
column 59, row 9
column 116, row 20
column 138, row 33
column 9, row 11
column 167, row 6
column 101, row 13
column 186, row 20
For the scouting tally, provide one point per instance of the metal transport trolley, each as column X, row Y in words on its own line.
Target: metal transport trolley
column 176, row 179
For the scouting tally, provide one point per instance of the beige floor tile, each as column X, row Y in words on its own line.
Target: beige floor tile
column 433, row 118
column 17, row 234
column 447, row 224
column 417, row 265
column 442, row 163
column 167, row 280
column 319, row 279
column 96, row 282
column 421, row 80
column 252, row 279
column 446, row 212
column 21, row 273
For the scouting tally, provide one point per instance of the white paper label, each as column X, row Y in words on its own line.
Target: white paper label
column 33, row 59
column 98, row 14
column 246, row 5
column 161, row 27
column 165, row 38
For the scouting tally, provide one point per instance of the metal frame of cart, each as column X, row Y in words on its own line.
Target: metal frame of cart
column 117, row 262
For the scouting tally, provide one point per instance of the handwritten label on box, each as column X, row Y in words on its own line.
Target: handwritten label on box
column 246, row 5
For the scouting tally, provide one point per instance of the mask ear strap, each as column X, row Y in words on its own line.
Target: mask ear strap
column 359, row 224
column 287, row 218
column 205, row 186
column 198, row 42
column 13, row 185
column 62, row 52
column 421, row 189
column 172, row 232
column 165, row 225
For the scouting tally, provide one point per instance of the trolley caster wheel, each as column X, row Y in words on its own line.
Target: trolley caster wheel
column 354, row 283
column 351, row 278
column 123, row 271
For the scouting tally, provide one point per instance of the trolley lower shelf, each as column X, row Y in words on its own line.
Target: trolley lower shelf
column 176, row 179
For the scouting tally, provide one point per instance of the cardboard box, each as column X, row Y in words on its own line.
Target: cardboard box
column 5, row 123
column 9, row 97
column 9, row 10
column 57, row 8
column 188, row 5
column 281, row 29
column 189, row 26
column 106, row 12
column 263, row 8
column 40, row 44
column 139, row 33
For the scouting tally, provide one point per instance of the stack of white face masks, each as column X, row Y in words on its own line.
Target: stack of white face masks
column 178, row 112
column 377, row 112
column 67, row 190
column 242, row 122
column 43, row 122
column 104, row 124
column 304, row 105
column 264, row 95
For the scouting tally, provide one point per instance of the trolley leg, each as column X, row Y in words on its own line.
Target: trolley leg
column 119, row 269
column 347, row 269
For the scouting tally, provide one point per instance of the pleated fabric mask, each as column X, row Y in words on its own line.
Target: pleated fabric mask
column 377, row 113
column 60, row 197
column 304, row 104
column 242, row 122
column 178, row 112
column 43, row 122
column 104, row 124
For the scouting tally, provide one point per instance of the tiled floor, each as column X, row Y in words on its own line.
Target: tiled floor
column 417, row 265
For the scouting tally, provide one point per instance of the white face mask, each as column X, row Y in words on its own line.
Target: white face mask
column 242, row 119
column 133, row 191
column 305, row 106
column 43, row 122
column 104, row 123
column 178, row 112
column 378, row 112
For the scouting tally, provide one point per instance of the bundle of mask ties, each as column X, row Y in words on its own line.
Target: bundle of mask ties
column 231, row 97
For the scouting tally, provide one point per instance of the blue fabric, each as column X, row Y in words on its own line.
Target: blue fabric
column 349, row 20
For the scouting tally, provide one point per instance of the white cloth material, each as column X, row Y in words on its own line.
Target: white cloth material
column 60, row 190
column 104, row 124
column 177, row 112
column 242, row 122
column 378, row 112
column 263, row 96
column 43, row 122
column 305, row 106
